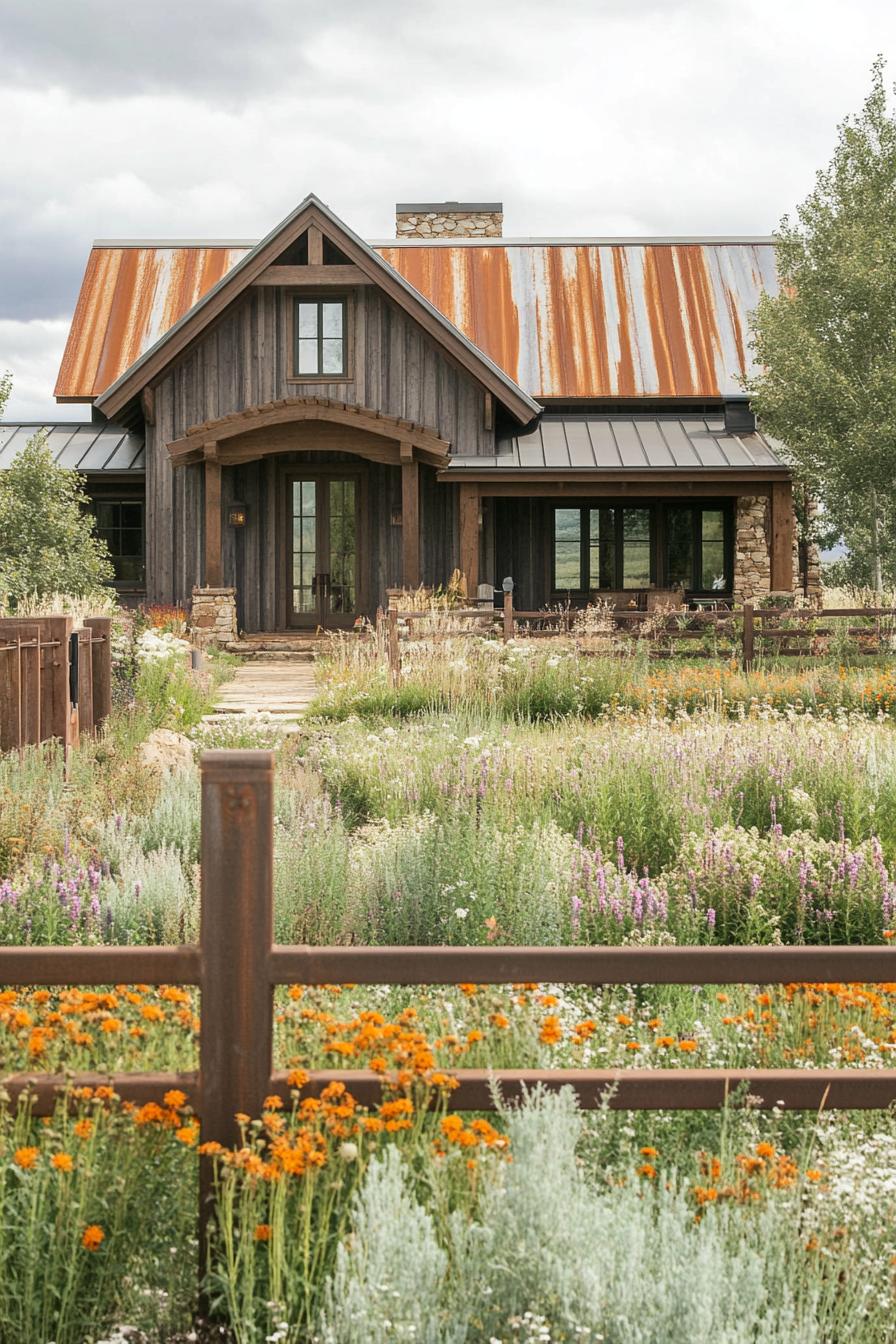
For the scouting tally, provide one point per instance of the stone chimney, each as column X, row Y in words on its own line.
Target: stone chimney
column 449, row 219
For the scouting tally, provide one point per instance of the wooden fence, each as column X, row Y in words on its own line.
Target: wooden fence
column 747, row 633
column 55, row 682
column 237, row 965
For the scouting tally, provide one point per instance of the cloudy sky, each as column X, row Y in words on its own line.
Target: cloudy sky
column 213, row 118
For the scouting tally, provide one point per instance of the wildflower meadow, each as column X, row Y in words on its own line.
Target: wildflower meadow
column 501, row 796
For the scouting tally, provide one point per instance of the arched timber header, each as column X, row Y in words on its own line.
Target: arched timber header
column 225, row 438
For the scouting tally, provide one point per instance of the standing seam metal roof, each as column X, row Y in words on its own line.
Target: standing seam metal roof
column 79, row 446
column 627, row 443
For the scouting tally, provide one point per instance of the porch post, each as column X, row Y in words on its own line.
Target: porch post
column 213, row 567
column 781, row 578
column 410, row 517
column 469, row 536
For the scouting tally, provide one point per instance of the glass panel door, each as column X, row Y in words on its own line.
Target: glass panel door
column 341, row 589
column 322, row 528
column 304, row 549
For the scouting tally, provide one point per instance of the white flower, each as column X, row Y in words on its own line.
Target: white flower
column 461, row 912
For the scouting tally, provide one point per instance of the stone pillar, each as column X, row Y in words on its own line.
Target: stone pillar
column 752, row 557
column 449, row 219
column 213, row 617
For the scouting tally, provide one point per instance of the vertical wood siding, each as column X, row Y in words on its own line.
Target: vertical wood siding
column 244, row 361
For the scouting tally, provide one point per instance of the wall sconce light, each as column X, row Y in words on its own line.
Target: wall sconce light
column 236, row 515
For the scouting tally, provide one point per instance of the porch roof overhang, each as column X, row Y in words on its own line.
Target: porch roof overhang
column 591, row 448
column 241, row 436
column 86, row 447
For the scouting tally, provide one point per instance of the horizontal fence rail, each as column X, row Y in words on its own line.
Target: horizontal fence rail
column 237, row 967
column 744, row 633
column 55, row 682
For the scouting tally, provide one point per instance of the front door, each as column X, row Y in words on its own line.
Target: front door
column 322, row 531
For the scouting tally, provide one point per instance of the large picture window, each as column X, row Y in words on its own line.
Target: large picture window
column 602, row 547
column 320, row 338
column 663, row 545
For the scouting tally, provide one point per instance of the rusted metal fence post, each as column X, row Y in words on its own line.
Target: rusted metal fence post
column 508, row 617
column 749, row 636
column 101, row 667
column 236, row 933
column 394, row 647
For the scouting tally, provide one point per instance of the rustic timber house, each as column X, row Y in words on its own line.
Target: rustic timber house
column 301, row 424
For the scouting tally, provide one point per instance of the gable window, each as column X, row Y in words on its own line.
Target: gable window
column 120, row 524
column 320, row 338
column 602, row 547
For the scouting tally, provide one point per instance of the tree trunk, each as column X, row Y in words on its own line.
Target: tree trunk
column 876, row 576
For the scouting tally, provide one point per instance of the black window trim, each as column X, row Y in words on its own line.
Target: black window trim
column 658, row 543
column 319, row 300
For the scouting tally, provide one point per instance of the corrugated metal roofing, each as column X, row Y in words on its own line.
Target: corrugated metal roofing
column 562, row 319
column 82, row 447
column 629, row 443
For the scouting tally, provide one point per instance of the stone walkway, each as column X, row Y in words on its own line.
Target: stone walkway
column 282, row 688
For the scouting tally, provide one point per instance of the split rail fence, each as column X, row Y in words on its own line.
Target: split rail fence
column 748, row 633
column 55, row 682
column 237, row 966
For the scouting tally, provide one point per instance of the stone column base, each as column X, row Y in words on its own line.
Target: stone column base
column 213, row 617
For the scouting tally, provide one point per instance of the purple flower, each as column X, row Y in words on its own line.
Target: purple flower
column 711, row 918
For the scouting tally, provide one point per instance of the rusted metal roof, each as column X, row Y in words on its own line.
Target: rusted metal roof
column 81, row 447
column 630, row 443
column 589, row 318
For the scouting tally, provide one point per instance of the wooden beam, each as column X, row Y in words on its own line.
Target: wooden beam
column 410, row 520
column 782, row 537
column 315, row 246
column 148, row 405
column 213, row 568
column 608, row 486
column 488, row 411
column 313, row 275
column 469, row 536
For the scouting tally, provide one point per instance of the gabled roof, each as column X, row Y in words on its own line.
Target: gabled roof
column 585, row 317
column 79, row 446
column 630, row 445
column 312, row 211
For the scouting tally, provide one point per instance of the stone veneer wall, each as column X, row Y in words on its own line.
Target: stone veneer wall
column 461, row 223
column 213, row 616
column 752, row 554
column 752, row 557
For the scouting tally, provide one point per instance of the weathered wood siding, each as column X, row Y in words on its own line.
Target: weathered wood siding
column 243, row 361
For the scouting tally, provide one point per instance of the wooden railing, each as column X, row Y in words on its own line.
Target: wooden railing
column 55, row 682
column 746, row 633
column 237, row 965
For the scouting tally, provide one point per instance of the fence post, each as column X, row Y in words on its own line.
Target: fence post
column 394, row 647
column 85, row 681
column 101, row 652
column 236, row 934
column 509, row 628
column 749, row 636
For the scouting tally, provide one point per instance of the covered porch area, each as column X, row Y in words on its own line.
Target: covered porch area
column 634, row 511
column 309, row 509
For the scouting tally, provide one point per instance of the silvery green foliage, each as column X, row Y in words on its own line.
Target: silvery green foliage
column 390, row 1271
column 173, row 819
column 151, row 899
column 630, row 1264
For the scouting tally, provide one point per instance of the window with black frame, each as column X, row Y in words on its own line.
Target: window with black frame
column 697, row 548
column 320, row 338
column 120, row 524
column 605, row 546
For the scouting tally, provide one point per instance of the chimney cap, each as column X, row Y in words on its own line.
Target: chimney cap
column 452, row 207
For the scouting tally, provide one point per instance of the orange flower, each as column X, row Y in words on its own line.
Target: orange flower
column 175, row 1099
column 83, row 1128
column 688, row 1046
column 500, row 1021
column 111, row 1025
column 647, row 1170
column 633, row 1045
column 551, row 1031
column 187, row 1135
column 273, row 1103
column 623, row 1019
column 92, row 1237
column 765, row 1150
column 26, row 1158
column 262, row 1232
column 61, row 1162
column 813, row 1175
column 474, row 1036
column 649, row 1151
column 297, row 1078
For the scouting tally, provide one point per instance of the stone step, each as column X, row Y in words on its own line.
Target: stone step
column 272, row 653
